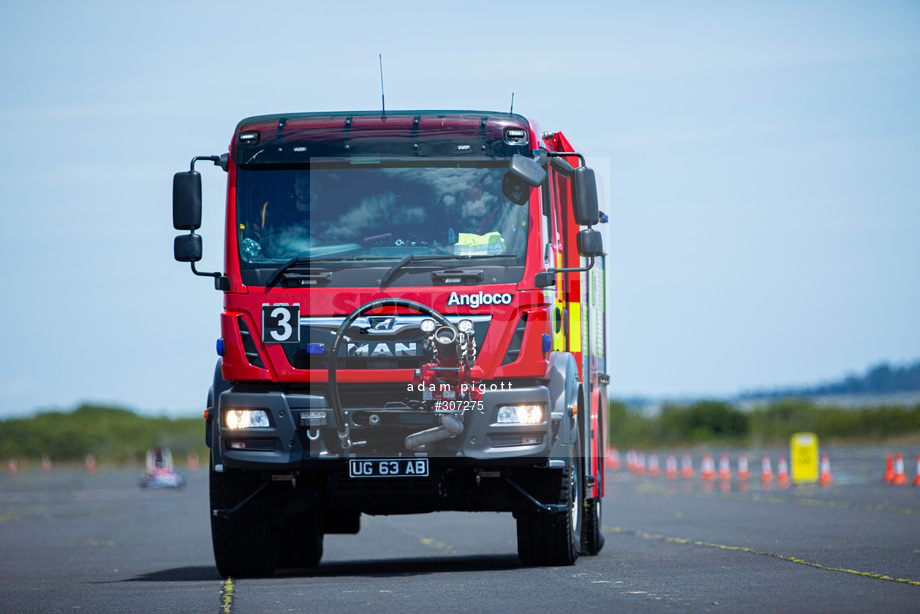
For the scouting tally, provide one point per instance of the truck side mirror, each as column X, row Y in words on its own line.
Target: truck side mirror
column 523, row 173
column 544, row 280
column 585, row 192
column 187, row 201
column 590, row 243
column 187, row 248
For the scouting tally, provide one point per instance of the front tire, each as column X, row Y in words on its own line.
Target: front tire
column 244, row 546
column 301, row 541
column 552, row 538
column 592, row 538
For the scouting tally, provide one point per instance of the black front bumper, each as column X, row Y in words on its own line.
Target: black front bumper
column 303, row 429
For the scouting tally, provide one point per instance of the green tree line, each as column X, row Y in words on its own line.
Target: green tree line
column 720, row 421
column 117, row 435
column 110, row 434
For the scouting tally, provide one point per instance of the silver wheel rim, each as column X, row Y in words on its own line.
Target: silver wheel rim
column 575, row 512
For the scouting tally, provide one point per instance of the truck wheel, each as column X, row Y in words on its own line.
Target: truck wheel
column 552, row 538
column 301, row 542
column 243, row 542
column 592, row 538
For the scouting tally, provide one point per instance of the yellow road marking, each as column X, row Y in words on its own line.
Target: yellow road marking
column 681, row 540
column 226, row 596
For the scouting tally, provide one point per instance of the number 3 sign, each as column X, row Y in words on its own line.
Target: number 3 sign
column 280, row 323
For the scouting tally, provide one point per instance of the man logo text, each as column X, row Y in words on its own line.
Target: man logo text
column 359, row 350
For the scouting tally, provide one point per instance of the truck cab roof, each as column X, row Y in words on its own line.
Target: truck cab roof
column 297, row 137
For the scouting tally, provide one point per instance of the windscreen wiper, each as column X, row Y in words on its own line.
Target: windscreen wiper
column 300, row 260
column 418, row 257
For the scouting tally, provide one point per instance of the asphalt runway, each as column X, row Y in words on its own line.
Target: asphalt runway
column 75, row 542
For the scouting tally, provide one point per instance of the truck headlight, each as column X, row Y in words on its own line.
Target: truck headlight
column 520, row 414
column 246, row 419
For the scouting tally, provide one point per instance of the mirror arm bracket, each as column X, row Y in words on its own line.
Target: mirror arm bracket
column 221, row 161
column 563, row 154
column 588, row 267
column 549, row 275
column 220, row 281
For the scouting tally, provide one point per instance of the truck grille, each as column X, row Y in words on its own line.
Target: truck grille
column 514, row 347
column 362, row 397
column 249, row 345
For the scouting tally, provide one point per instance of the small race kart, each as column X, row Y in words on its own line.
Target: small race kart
column 159, row 471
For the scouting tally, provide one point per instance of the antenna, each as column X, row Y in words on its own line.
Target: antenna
column 512, row 104
column 383, row 100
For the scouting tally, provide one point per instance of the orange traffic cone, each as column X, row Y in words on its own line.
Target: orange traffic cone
column 653, row 467
column 192, row 461
column 670, row 467
column 612, row 460
column 90, row 464
column 888, row 477
column 631, row 461
column 917, row 477
column 899, row 477
column 725, row 468
column 686, row 466
column 826, row 478
column 766, row 469
column 743, row 472
column 708, row 468
column 782, row 471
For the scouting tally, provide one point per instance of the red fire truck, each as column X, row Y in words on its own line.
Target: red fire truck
column 413, row 321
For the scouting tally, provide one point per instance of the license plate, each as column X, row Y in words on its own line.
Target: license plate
column 388, row 468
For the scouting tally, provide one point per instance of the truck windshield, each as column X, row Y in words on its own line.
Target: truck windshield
column 377, row 210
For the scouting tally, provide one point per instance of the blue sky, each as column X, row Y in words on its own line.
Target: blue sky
column 763, row 182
